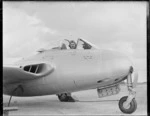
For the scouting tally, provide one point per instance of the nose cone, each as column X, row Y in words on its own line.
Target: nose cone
column 115, row 63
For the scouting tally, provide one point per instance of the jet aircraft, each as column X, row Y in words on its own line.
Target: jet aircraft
column 62, row 70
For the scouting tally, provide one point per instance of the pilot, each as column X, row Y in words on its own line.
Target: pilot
column 72, row 44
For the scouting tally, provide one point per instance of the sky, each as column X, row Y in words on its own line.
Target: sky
column 29, row 26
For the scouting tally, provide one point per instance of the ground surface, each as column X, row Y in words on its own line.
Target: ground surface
column 88, row 103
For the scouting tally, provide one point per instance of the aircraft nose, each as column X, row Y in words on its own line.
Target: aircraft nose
column 115, row 63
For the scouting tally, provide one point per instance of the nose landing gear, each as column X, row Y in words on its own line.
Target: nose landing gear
column 127, row 104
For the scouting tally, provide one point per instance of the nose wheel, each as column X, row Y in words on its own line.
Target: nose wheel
column 128, row 104
column 128, row 109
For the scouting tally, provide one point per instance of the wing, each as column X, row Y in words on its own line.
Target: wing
column 12, row 74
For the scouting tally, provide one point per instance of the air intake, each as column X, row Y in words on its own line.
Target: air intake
column 37, row 68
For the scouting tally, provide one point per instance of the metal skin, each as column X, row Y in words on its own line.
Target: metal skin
column 70, row 70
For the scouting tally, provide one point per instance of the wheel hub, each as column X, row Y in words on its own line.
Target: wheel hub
column 126, row 105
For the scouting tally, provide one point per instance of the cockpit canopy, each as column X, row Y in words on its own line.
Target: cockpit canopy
column 80, row 44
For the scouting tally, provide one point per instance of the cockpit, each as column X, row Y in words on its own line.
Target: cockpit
column 66, row 44
column 80, row 44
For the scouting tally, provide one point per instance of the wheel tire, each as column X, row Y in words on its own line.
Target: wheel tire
column 63, row 97
column 131, row 109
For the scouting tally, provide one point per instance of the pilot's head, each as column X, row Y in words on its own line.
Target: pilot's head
column 72, row 44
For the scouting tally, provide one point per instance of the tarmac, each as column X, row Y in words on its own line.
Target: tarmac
column 88, row 104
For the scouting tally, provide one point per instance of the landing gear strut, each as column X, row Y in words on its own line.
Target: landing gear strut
column 127, row 104
column 19, row 86
column 65, row 97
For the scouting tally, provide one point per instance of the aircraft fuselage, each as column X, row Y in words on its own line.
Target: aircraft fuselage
column 74, row 70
